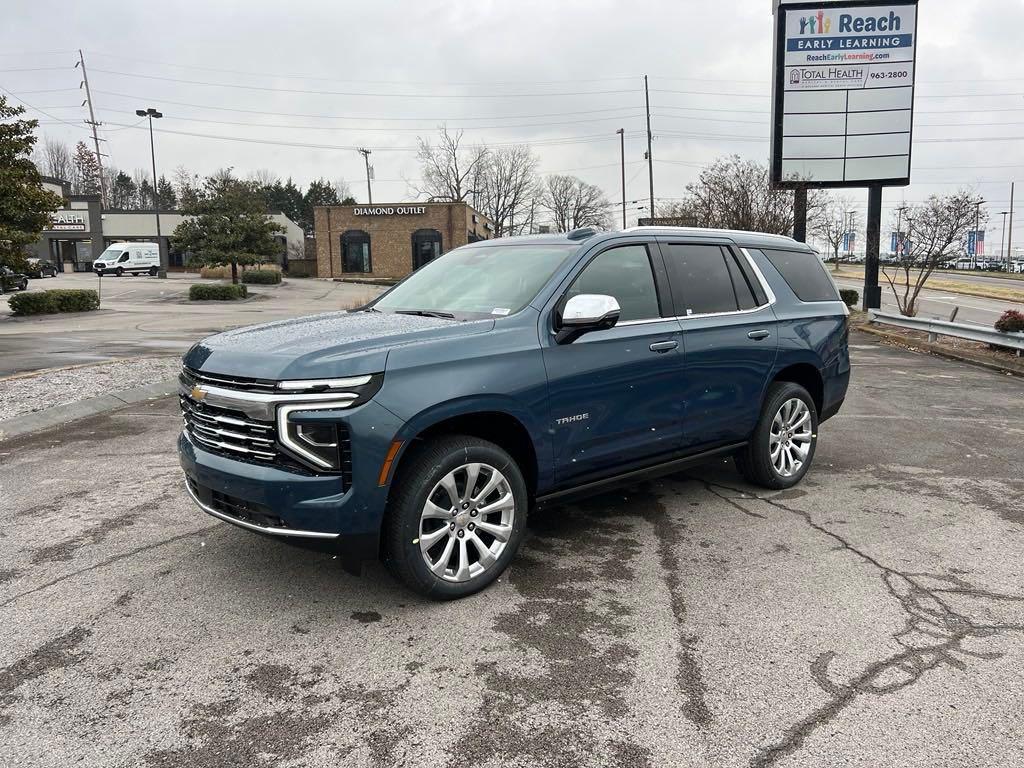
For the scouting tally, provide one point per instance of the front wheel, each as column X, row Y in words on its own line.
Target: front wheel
column 782, row 447
column 23, row 286
column 119, row 271
column 456, row 518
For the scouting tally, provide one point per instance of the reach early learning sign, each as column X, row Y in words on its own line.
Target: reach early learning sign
column 843, row 93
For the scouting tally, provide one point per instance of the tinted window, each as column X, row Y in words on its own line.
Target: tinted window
column 805, row 275
column 700, row 279
column 355, row 251
column 744, row 293
column 624, row 273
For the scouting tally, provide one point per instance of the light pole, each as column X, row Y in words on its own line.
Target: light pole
column 151, row 113
column 622, row 156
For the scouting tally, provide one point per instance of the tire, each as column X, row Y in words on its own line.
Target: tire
column 755, row 462
column 24, row 285
column 153, row 271
column 119, row 271
column 419, row 493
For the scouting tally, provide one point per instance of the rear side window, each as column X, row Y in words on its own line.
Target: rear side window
column 702, row 279
column 805, row 274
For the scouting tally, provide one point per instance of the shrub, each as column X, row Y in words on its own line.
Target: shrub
column 1011, row 321
column 223, row 272
column 219, row 292
column 57, row 300
column 849, row 296
column 261, row 276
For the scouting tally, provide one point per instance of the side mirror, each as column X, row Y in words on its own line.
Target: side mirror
column 586, row 312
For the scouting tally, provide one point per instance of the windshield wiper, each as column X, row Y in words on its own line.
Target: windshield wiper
column 425, row 313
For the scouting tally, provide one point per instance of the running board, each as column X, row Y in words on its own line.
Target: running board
column 636, row 475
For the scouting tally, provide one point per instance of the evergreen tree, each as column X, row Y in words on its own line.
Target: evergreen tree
column 123, row 192
column 87, row 171
column 165, row 196
column 320, row 192
column 25, row 205
column 228, row 224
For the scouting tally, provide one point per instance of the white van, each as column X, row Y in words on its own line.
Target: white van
column 130, row 258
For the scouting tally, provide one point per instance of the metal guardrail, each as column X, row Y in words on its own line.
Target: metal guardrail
column 935, row 328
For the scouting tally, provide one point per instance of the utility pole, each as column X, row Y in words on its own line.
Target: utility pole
column 1002, row 239
column 622, row 156
column 650, row 156
column 366, row 156
column 92, row 122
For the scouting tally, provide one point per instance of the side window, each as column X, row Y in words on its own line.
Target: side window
column 744, row 293
column 124, row 257
column 805, row 274
column 625, row 273
column 700, row 279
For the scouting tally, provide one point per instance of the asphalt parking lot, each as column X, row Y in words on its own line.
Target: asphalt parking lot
column 146, row 316
column 873, row 616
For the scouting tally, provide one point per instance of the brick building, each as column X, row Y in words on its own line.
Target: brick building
column 392, row 239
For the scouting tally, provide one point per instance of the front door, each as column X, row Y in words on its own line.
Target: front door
column 613, row 394
column 729, row 337
column 426, row 246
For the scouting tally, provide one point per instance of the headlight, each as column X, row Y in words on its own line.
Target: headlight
column 315, row 441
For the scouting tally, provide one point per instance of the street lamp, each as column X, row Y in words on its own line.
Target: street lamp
column 622, row 155
column 151, row 114
column 1002, row 240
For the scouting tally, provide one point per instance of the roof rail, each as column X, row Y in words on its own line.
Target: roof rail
column 582, row 233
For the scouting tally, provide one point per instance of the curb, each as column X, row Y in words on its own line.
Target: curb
column 941, row 351
column 62, row 414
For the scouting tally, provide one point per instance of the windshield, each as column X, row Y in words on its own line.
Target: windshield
column 111, row 254
column 489, row 280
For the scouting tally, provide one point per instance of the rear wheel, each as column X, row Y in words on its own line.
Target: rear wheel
column 782, row 447
column 457, row 517
column 152, row 271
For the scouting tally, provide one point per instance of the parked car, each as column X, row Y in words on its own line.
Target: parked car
column 129, row 258
column 11, row 280
column 508, row 373
column 38, row 268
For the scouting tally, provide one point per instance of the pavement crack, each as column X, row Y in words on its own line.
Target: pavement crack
column 933, row 636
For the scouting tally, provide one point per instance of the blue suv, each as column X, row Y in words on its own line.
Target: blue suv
column 421, row 427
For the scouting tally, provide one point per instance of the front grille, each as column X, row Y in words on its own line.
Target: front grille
column 229, row 432
column 229, row 382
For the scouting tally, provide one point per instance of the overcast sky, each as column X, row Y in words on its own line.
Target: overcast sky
column 562, row 76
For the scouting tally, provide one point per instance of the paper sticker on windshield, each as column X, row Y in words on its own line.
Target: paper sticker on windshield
column 500, row 311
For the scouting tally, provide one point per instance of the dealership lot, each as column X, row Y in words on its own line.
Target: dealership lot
column 874, row 615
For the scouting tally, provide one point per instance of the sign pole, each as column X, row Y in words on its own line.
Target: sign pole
column 800, row 214
column 872, row 298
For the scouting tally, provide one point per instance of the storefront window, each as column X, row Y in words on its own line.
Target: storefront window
column 426, row 246
column 355, row 251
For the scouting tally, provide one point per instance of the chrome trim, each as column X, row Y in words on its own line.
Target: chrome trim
column 285, row 439
column 235, row 435
column 261, row 397
column 260, row 406
column 265, row 455
column 252, row 526
column 202, row 416
column 353, row 381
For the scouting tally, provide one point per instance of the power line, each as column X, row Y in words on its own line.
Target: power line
column 311, row 92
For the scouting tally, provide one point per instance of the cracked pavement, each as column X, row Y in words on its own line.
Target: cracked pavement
column 872, row 616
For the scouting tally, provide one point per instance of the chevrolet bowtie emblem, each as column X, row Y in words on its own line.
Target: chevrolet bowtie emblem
column 197, row 393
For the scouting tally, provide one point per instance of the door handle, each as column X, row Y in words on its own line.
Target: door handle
column 758, row 335
column 664, row 346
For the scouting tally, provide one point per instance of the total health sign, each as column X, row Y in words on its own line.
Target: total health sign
column 843, row 93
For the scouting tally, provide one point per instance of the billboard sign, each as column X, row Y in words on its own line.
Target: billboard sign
column 843, row 93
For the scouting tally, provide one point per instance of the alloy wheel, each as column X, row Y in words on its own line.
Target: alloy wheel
column 466, row 522
column 790, row 439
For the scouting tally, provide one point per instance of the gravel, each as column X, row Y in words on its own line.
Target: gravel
column 37, row 392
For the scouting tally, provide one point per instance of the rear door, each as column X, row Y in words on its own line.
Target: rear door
column 730, row 339
column 613, row 394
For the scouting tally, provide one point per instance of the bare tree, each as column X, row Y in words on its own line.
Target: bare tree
column 508, row 187
column 573, row 203
column 831, row 222
column 58, row 160
column 450, row 171
column 264, row 177
column 733, row 193
column 936, row 231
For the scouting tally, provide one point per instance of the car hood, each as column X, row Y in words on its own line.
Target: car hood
column 321, row 346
